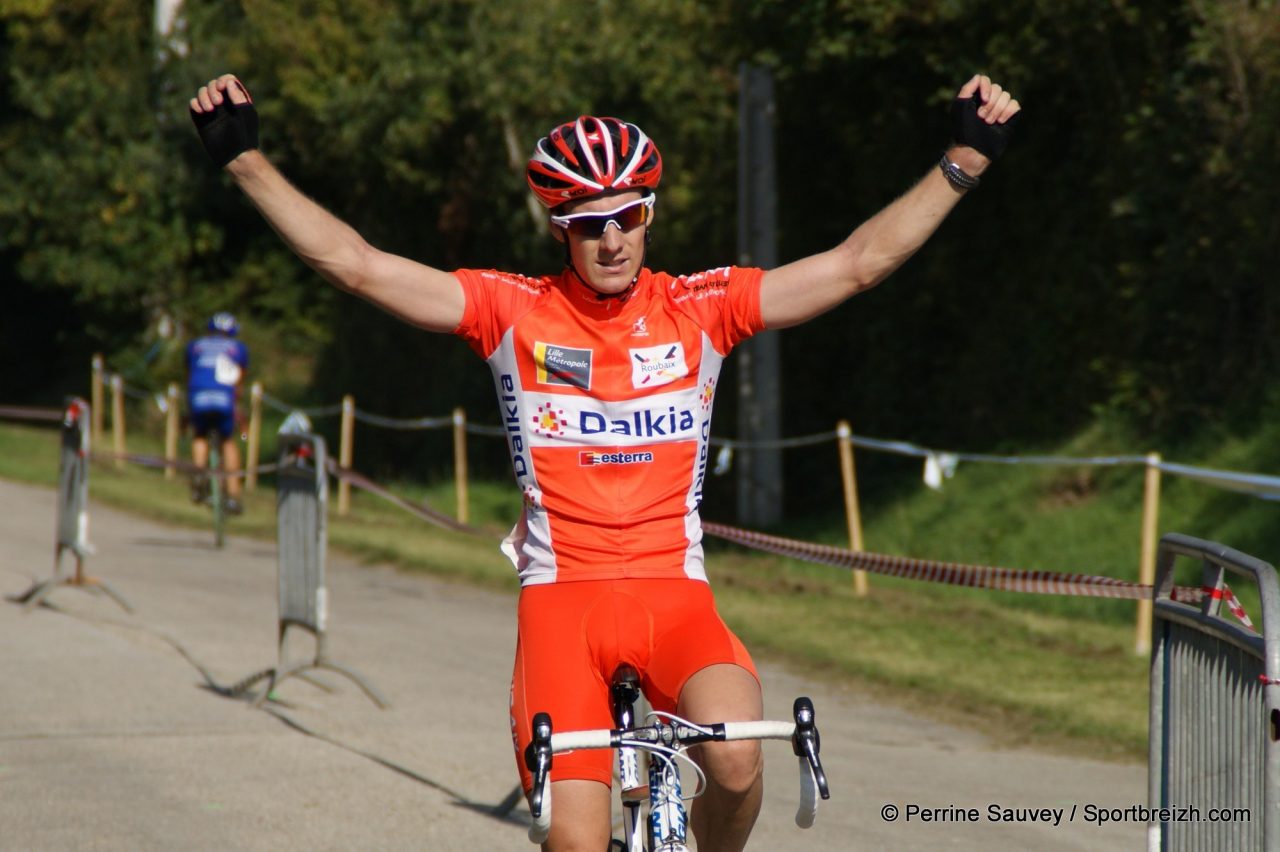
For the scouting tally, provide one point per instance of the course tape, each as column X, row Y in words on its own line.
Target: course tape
column 488, row 431
column 1226, row 596
column 949, row 573
column 427, row 514
column 399, row 423
column 906, row 567
column 177, row 464
column 24, row 412
column 1257, row 485
column 778, row 444
column 286, row 408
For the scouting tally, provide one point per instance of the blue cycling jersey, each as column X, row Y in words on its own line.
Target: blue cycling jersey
column 214, row 367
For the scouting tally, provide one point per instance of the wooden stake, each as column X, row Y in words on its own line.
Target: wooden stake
column 255, row 437
column 848, row 477
column 460, row 464
column 1147, row 563
column 117, row 418
column 344, row 450
column 95, row 400
column 171, row 421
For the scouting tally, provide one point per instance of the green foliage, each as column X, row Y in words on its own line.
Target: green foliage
column 84, row 206
column 1118, row 263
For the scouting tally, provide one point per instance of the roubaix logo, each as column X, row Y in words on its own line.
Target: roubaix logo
column 646, row 423
column 652, row 366
column 562, row 365
column 590, row 458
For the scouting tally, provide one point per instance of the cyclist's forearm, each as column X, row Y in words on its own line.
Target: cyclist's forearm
column 323, row 241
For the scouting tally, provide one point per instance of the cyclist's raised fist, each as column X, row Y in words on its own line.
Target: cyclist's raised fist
column 225, row 118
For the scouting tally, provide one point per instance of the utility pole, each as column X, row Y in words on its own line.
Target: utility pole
column 759, row 392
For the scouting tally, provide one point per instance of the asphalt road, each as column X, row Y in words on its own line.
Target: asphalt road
column 114, row 734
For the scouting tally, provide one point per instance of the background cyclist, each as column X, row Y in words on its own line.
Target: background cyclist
column 215, row 376
column 605, row 375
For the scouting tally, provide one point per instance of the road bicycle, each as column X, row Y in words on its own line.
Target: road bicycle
column 210, row 486
column 664, row 740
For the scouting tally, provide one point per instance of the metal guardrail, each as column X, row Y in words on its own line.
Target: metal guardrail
column 72, row 524
column 73, row 483
column 302, row 500
column 1214, row 763
column 302, row 534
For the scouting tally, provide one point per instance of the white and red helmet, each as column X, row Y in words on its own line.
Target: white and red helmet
column 592, row 156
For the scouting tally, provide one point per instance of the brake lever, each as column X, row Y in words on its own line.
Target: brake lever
column 806, row 743
column 537, row 759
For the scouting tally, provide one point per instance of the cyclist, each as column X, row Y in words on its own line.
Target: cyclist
column 605, row 375
column 215, row 374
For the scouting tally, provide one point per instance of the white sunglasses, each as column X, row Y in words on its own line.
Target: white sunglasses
column 592, row 225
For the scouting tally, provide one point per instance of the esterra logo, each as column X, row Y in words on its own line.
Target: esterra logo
column 562, row 365
column 646, row 423
column 590, row 458
column 652, row 366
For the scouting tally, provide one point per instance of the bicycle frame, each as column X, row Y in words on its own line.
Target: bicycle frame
column 667, row 825
column 624, row 691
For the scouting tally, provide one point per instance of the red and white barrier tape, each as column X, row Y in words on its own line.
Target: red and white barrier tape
column 948, row 573
column 181, row 465
column 429, row 515
column 26, row 412
column 1233, row 603
column 972, row 576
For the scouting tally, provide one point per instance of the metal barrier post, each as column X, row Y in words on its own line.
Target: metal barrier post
column 72, row 524
column 844, row 436
column 1215, row 707
column 302, row 534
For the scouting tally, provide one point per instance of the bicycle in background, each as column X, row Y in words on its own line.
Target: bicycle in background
column 209, row 486
column 664, row 741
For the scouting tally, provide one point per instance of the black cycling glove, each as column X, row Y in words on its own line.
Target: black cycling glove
column 968, row 129
column 228, row 131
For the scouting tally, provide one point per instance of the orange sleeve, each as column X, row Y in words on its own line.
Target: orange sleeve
column 725, row 302
column 493, row 302
column 742, row 317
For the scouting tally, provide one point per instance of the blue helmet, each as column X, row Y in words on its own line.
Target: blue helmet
column 225, row 323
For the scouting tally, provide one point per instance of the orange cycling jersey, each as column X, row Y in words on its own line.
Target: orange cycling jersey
column 606, row 402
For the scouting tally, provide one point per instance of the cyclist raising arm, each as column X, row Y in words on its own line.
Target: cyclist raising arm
column 606, row 373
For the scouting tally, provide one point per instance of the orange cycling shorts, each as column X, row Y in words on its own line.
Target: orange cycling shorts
column 573, row 635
